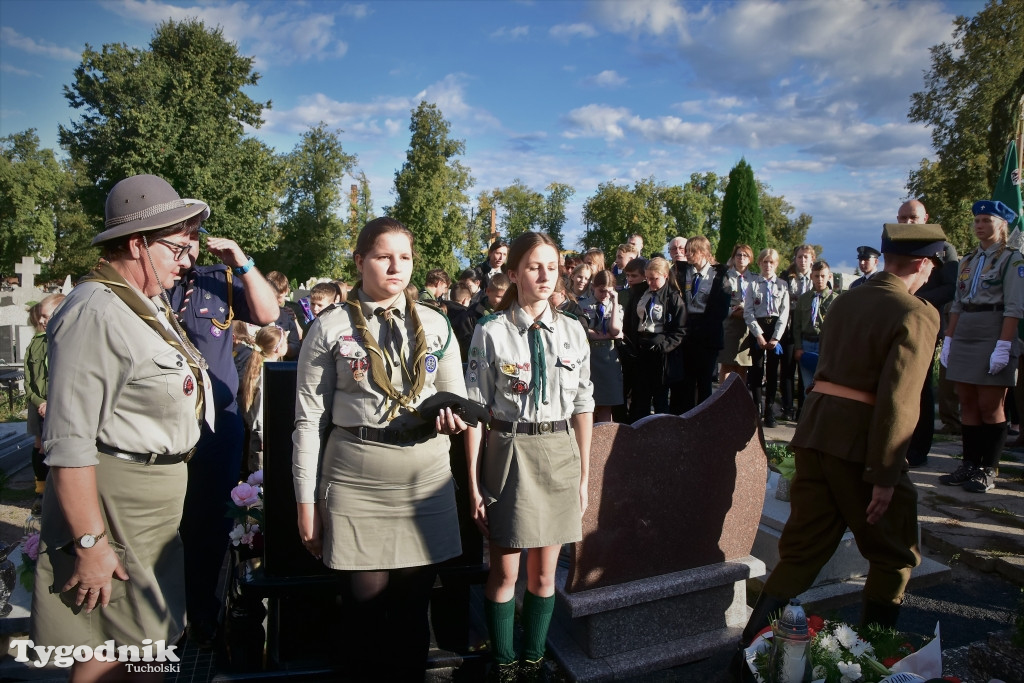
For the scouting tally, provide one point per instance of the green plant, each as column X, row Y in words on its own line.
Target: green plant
column 11, row 412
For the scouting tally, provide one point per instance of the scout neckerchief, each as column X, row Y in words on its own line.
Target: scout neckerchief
column 815, row 307
column 378, row 372
column 538, row 357
column 105, row 274
column 979, row 254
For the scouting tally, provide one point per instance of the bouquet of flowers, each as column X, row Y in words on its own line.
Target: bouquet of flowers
column 837, row 653
column 29, row 555
column 246, row 508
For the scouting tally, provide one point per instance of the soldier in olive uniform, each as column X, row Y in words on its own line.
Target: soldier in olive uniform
column 530, row 364
column 851, row 469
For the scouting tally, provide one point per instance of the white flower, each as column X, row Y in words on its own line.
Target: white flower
column 819, row 672
column 850, row 671
column 829, row 644
column 847, row 636
column 237, row 534
column 860, row 648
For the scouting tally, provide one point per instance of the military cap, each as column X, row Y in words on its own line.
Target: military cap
column 865, row 252
column 991, row 207
column 143, row 203
column 914, row 239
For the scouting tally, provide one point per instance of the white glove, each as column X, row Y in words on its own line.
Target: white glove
column 944, row 353
column 999, row 358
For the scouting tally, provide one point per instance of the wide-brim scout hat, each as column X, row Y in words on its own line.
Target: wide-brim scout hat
column 992, row 207
column 143, row 203
column 923, row 240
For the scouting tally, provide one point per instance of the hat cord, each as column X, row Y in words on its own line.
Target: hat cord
column 186, row 342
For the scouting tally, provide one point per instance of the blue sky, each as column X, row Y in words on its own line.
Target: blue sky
column 813, row 93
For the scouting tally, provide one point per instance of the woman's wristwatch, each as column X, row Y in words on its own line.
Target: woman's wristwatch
column 86, row 541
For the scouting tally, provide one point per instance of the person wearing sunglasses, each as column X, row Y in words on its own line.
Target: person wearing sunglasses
column 206, row 300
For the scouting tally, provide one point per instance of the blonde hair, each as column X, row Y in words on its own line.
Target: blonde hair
column 768, row 252
column 594, row 258
column 35, row 313
column 698, row 245
column 268, row 340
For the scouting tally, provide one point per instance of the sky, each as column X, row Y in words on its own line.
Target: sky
column 813, row 93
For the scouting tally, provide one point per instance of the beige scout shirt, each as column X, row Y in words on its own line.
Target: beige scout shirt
column 766, row 299
column 1000, row 280
column 114, row 380
column 334, row 381
column 737, row 286
column 500, row 369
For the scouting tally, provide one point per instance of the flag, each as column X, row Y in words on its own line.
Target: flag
column 1007, row 191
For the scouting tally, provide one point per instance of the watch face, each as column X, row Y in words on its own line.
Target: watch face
column 87, row 541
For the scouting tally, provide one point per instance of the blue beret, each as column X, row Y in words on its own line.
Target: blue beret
column 991, row 207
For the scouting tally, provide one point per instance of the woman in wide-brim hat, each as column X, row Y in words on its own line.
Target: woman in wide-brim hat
column 127, row 397
column 981, row 348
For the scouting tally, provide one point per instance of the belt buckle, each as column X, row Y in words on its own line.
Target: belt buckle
column 152, row 459
column 544, row 427
column 191, row 452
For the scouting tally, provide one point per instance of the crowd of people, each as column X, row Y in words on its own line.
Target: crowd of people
column 145, row 392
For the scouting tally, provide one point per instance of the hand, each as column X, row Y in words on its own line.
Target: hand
column 449, row 423
column 761, row 343
column 613, row 296
column 310, row 529
column 94, row 569
column 229, row 253
column 797, row 354
column 584, row 497
column 881, row 496
column 737, row 311
column 1000, row 357
column 478, row 511
column 42, row 409
column 944, row 353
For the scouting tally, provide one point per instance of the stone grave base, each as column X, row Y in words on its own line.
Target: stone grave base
column 651, row 624
column 841, row 580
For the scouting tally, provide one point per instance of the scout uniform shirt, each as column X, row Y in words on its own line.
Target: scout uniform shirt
column 698, row 288
column 523, row 380
column 765, row 299
column 651, row 313
column 599, row 315
column 737, row 286
column 992, row 276
column 809, row 315
column 336, row 383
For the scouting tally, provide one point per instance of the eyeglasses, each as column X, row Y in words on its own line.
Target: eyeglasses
column 179, row 250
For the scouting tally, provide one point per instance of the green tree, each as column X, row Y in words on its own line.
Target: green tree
column 969, row 93
column 696, row 207
column 785, row 234
column 430, row 192
column 742, row 219
column 30, row 185
column 73, row 253
column 615, row 212
column 177, row 110
column 553, row 218
column 521, row 208
column 315, row 241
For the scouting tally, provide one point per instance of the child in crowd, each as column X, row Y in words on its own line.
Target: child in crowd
column 810, row 312
column 323, row 295
column 242, row 344
column 461, row 317
column 37, row 377
column 604, row 326
column 624, row 253
column 766, row 312
column 528, row 488
column 654, row 328
column 271, row 345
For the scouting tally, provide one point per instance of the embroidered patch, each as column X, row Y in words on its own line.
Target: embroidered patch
column 473, row 364
column 520, row 387
column 510, row 369
column 216, row 331
column 188, row 386
column 965, row 274
column 474, row 351
column 471, row 378
column 204, row 311
column 345, row 349
column 524, row 366
column 359, row 368
column 430, row 363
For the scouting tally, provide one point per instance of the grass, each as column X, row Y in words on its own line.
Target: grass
column 9, row 414
column 1001, row 511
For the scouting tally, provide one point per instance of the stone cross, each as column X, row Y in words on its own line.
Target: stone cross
column 27, row 269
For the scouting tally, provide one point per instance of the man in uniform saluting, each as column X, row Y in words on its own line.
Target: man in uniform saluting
column 851, row 469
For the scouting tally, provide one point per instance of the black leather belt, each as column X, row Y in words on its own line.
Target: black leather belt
column 980, row 308
column 768, row 321
column 146, row 458
column 392, row 436
column 811, row 337
column 603, row 343
column 531, row 428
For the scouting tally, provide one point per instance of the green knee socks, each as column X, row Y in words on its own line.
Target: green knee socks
column 536, row 619
column 500, row 618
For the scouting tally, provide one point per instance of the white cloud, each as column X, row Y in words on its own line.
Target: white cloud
column 569, row 31
column 513, row 33
column 356, row 11
column 798, row 166
column 283, row 36
column 612, row 123
column 9, row 69
column 608, row 79
column 8, row 36
column 658, row 17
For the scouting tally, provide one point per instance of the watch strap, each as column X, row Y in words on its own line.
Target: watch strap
column 96, row 538
column 245, row 268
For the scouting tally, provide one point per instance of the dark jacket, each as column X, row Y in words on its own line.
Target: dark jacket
column 666, row 347
column 706, row 328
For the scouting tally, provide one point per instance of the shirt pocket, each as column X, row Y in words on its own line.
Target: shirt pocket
column 568, row 378
column 353, row 368
column 171, row 371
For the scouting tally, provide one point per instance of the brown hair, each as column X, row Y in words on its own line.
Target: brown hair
column 437, row 276
column 520, row 247
column 268, row 339
column 637, row 265
column 698, row 244
column 325, row 290
column 745, row 248
column 603, row 278
column 661, row 266
column 373, row 230
column 594, row 257
column 117, row 248
column 279, row 281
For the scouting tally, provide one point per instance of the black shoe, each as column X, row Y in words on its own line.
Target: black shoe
column 769, row 421
column 37, row 505
column 787, row 415
column 983, row 480
column 960, row 476
column 503, row 673
column 532, row 672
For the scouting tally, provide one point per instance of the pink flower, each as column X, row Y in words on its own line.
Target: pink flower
column 256, row 478
column 31, row 546
column 245, row 495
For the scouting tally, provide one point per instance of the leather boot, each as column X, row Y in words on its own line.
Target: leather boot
column 883, row 614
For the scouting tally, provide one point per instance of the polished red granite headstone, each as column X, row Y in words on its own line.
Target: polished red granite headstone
column 672, row 493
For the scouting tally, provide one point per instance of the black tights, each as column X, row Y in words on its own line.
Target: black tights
column 386, row 631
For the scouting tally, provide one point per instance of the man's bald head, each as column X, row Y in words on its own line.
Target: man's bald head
column 912, row 212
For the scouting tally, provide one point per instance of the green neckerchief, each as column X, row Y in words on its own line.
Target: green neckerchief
column 378, row 373
column 105, row 274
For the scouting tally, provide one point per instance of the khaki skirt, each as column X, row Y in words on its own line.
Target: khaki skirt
column 531, row 485
column 973, row 342
column 736, row 349
column 141, row 507
column 385, row 506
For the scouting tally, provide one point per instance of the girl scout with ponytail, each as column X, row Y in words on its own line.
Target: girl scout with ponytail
column 530, row 364
column 380, row 506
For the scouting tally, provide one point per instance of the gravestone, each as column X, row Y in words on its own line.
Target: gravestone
column 659, row 578
column 27, row 269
